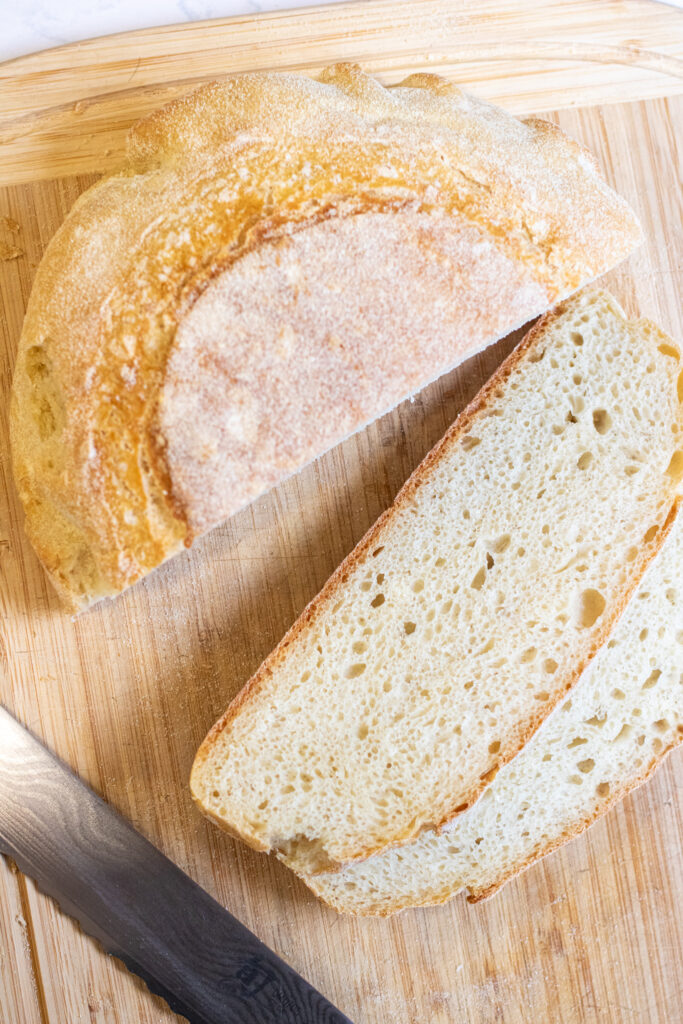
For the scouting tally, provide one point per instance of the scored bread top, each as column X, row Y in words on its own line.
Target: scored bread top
column 469, row 609
column 620, row 721
column 279, row 262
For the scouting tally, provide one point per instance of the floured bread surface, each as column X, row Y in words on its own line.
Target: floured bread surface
column 622, row 718
column 466, row 613
column 349, row 313
column 184, row 346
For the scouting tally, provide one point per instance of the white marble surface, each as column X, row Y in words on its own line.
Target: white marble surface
column 30, row 25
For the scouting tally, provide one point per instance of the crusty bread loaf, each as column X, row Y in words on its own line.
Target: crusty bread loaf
column 469, row 609
column 280, row 261
column 622, row 718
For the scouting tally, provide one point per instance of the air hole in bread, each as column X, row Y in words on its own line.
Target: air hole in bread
column 528, row 655
column 679, row 386
column 602, row 420
column 623, row 733
column 584, row 460
column 489, row 560
column 362, row 731
column 359, row 647
column 618, row 694
column 578, row 741
column 577, row 338
column 377, row 551
column 355, row 670
column 652, row 679
column 469, row 442
column 550, row 666
column 543, row 696
column 586, row 766
column 596, row 721
column 661, row 725
column 418, row 586
column 478, row 581
column 494, row 747
column 669, row 350
column 590, row 608
column 377, row 601
column 675, row 467
column 603, row 789
column 647, row 537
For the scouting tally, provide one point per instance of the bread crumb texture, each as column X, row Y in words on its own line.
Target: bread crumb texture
column 470, row 609
column 622, row 718
column 279, row 261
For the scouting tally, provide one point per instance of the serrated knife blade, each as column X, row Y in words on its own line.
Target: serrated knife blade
column 136, row 902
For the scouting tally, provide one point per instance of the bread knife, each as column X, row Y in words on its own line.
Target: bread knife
column 136, row 902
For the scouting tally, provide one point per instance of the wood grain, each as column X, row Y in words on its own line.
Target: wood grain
column 18, row 983
column 66, row 111
column 126, row 692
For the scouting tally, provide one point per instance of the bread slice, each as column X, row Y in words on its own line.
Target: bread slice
column 279, row 262
column 617, row 725
column 469, row 609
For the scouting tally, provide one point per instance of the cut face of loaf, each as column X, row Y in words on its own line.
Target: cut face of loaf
column 472, row 606
column 619, row 722
column 279, row 262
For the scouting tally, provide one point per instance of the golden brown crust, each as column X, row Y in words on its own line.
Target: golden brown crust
column 209, row 179
column 372, row 539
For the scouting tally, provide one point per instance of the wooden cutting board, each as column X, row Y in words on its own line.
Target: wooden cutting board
column 126, row 692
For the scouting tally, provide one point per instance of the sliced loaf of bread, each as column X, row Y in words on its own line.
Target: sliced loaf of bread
column 621, row 719
column 471, row 607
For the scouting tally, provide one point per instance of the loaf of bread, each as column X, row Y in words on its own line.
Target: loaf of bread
column 471, row 607
column 279, row 261
column 621, row 719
